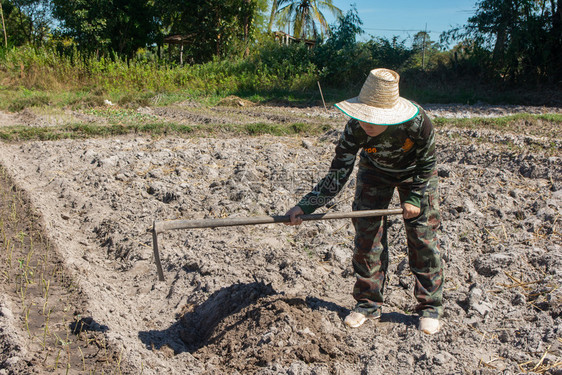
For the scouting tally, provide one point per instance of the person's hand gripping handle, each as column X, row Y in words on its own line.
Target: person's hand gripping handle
column 294, row 213
column 410, row 211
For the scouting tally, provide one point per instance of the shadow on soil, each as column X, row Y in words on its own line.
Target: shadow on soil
column 193, row 330
column 394, row 317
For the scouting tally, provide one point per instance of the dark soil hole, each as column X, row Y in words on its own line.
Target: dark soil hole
column 201, row 323
column 86, row 324
column 248, row 327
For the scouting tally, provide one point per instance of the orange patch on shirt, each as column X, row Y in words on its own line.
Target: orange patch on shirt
column 371, row 150
column 408, row 144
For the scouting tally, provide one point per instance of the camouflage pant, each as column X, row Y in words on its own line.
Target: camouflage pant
column 370, row 259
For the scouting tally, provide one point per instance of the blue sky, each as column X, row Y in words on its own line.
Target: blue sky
column 386, row 18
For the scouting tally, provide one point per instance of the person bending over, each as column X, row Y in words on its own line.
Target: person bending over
column 396, row 141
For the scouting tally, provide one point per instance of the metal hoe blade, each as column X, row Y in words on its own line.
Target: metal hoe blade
column 163, row 226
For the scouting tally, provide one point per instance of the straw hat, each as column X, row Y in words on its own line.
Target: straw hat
column 379, row 101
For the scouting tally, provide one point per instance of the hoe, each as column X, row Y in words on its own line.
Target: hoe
column 163, row 226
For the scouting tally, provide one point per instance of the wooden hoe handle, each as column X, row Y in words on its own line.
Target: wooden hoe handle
column 163, row 226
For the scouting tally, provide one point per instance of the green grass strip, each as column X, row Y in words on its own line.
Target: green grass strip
column 82, row 131
column 529, row 124
column 498, row 122
column 542, row 125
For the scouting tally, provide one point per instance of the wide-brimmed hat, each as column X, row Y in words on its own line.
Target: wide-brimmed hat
column 379, row 101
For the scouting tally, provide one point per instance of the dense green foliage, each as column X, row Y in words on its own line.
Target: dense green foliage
column 122, row 26
column 115, row 49
column 515, row 40
column 338, row 63
column 210, row 27
column 25, row 21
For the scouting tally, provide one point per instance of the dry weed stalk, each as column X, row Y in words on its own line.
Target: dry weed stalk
column 482, row 363
column 539, row 368
column 519, row 283
column 456, row 287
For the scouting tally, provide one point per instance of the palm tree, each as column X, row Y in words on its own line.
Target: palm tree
column 3, row 26
column 303, row 16
column 272, row 17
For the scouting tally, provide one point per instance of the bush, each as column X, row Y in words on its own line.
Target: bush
column 19, row 104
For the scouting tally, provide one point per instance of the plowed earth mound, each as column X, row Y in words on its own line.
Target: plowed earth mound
column 237, row 328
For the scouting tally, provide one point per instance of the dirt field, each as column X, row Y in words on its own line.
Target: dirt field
column 270, row 299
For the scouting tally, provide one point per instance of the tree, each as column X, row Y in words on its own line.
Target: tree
column 345, row 32
column 500, row 18
column 522, row 36
column 424, row 47
column 304, row 15
column 341, row 59
column 274, row 7
column 392, row 54
column 556, row 35
column 211, row 27
column 3, row 26
column 28, row 21
column 122, row 26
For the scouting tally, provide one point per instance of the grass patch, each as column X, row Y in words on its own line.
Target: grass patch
column 35, row 100
column 17, row 99
column 543, row 125
column 133, row 81
column 123, row 121
column 83, row 131
column 279, row 130
column 116, row 115
column 261, row 129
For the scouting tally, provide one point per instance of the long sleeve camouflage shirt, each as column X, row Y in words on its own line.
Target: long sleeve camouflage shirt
column 404, row 148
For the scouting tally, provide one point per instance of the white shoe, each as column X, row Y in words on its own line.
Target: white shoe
column 356, row 319
column 429, row 325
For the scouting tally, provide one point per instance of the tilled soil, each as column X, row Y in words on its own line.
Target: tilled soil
column 270, row 299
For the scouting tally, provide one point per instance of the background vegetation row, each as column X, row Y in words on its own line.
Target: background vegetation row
column 82, row 52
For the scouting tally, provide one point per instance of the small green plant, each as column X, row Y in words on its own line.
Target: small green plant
column 10, row 252
column 46, row 326
column 83, row 359
column 309, row 252
column 56, row 366
column 26, row 310
column 32, row 274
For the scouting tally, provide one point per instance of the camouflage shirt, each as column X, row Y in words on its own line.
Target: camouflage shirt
column 407, row 148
